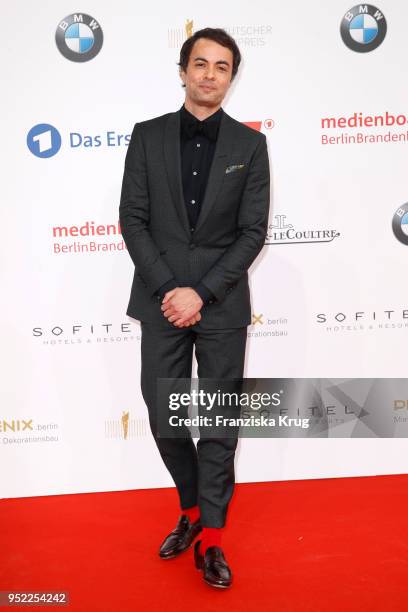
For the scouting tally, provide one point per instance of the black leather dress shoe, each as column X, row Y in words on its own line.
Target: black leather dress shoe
column 216, row 571
column 180, row 538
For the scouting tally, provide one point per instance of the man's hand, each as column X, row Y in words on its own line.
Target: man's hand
column 181, row 306
column 192, row 320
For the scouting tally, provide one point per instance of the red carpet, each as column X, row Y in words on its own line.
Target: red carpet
column 317, row 545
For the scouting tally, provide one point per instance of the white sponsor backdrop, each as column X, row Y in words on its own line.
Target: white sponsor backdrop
column 71, row 356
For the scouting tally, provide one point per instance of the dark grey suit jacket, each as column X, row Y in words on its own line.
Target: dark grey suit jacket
column 231, row 227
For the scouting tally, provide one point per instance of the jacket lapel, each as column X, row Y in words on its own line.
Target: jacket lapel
column 172, row 158
column 172, row 155
column 223, row 151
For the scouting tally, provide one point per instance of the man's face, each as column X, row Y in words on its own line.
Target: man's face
column 208, row 74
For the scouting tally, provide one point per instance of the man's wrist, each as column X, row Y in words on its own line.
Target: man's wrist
column 205, row 294
column 168, row 286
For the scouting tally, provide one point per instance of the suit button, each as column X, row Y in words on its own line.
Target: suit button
column 192, row 245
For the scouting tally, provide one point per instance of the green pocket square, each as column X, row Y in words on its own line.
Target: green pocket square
column 234, row 168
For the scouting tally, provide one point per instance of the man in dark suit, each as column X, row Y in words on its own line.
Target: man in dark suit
column 194, row 214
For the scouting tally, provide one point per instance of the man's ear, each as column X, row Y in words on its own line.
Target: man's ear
column 182, row 75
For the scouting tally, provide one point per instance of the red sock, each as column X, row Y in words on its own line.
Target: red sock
column 210, row 536
column 192, row 513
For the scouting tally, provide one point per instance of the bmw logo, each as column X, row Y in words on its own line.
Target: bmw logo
column 400, row 224
column 79, row 37
column 363, row 28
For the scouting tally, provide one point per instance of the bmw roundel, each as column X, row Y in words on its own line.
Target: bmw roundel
column 363, row 28
column 400, row 224
column 79, row 37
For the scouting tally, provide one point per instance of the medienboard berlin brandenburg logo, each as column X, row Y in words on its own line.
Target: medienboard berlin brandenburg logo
column 79, row 37
column 363, row 28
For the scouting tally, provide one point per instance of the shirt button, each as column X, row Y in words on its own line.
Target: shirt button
column 198, row 144
column 192, row 229
column 194, row 173
column 193, row 201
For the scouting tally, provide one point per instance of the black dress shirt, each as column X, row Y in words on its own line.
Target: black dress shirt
column 197, row 146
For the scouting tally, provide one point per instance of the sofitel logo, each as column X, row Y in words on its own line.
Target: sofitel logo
column 80, row 334
column 362, row 320
column 281, row 232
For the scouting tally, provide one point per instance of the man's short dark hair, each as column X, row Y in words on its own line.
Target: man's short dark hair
column 219, row 36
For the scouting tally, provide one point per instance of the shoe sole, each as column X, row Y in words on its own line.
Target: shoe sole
column 218, row 586
column 176, row 554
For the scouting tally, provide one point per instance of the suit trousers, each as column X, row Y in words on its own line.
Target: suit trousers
column 204, row 475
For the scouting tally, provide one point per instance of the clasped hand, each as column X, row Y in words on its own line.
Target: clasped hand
column 181, row 306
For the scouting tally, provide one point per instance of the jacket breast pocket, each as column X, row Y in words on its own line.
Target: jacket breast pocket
column 235, row 172
column 233, row 182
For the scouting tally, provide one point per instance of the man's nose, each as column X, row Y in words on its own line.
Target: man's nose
column 210, row 72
